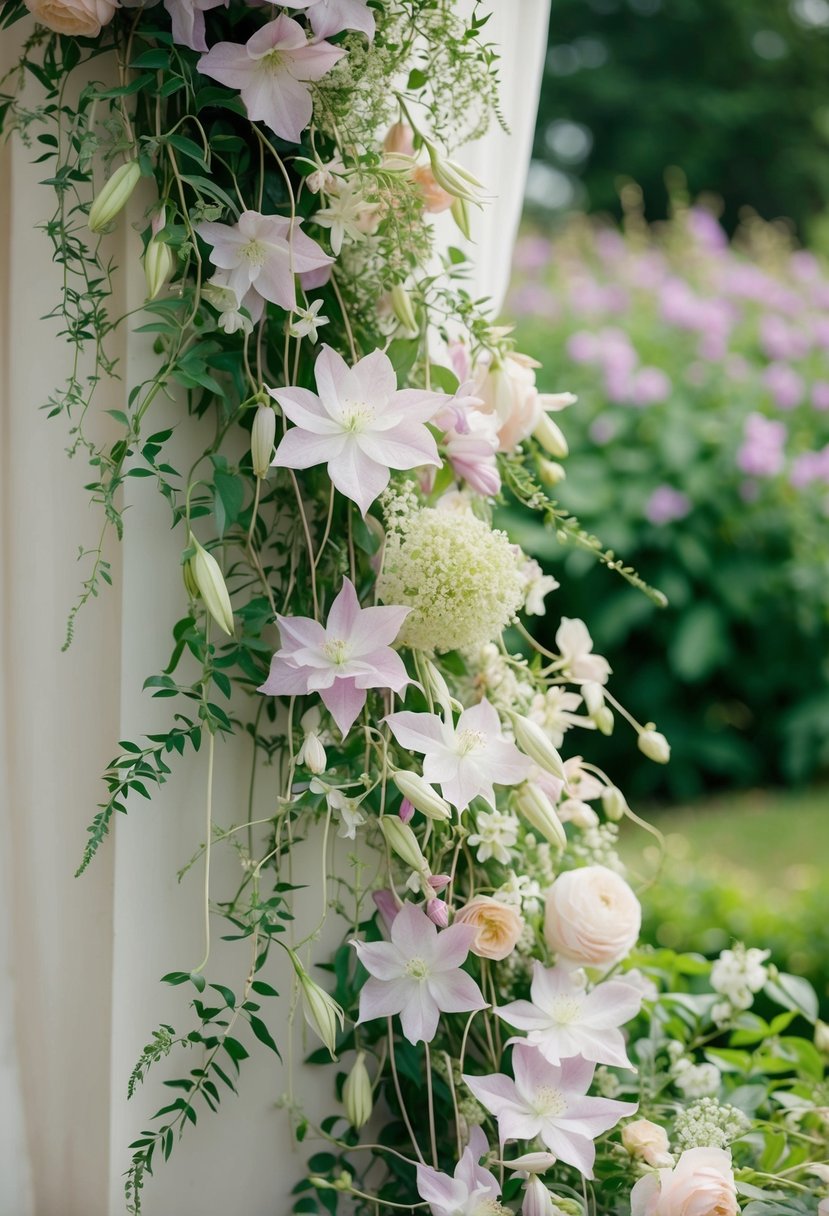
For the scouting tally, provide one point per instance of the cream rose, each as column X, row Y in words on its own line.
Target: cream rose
column 83, row 18
column 499, row 926
column 592, row 917
column 701, row 1184
column 647, row 1142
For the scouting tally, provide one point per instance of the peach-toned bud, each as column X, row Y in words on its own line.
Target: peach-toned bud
column 647, row 1142
column 399, row 138
column 435, row 198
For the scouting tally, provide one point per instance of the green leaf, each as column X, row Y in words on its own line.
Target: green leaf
column 236, row 1050
column 793, row 992
column 263, row 1034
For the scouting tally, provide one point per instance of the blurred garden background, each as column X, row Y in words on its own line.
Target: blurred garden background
column 672, row 271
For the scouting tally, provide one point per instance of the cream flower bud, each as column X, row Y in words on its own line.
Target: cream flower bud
column 604, row 720
column 357, row 1093
column 401, row 840
column 550, row 472
column 262, row 435
column 452, row 177
column 550, row 435
column 648, row 1142
column 159, row 264
column 540, row 813
column 654, row 745
column 537, row 1199
column 614, row 804
column 422, row 795
column 401, row 306
column 211, row 584
column 113, row 195
column 439, row 688
column 534, row 743
column 312, row 754
column 822, row 1041
column 460, row 214
column 531, row 1163
column 322, row 1013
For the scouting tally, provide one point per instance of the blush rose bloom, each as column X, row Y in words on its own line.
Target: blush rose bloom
column 647, row 1142
column 592, row 917
column 701, row 1184
column 83, row 18
column 499, row 926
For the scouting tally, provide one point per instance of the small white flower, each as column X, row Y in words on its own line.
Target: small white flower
column 497, row 833
column 307, row 322
column 555, row 711
column 348, row 810
column 739, row 973
column 537, row 586
column 696, row 1080
column 345, row 216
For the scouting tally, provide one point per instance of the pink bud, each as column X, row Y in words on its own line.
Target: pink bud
column 387, row 906
column 437, row 912
column 438, row 881
column 406, row 810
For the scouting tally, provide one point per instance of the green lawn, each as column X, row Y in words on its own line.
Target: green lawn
column 780, row 836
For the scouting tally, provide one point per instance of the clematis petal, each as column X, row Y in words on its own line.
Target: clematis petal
column 404, row 448
column 284, row 680
column 278, row 99
column 413, row 933
column 420, row 1016
column 305, row 410
column 300, row 631
column 228, row 63
column 330, row 372
column 337, row 15
column 572, row 1149
column 612, row 1004
column 383, row 669
column 356, row 476
column 345, row 612
column 381, row 959
column 419, row 732
column 455, row 991
column 343, row 700
column 442, row 1193
column 372, row 380
column 377, row 627
column 384, row 998
column 299, row 449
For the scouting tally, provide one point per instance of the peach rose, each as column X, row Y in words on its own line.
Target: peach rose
column 83, row 18
column 592, row 917
column 499, row 926
column 647, row 1142
column 701, row 1184
column 435, row 198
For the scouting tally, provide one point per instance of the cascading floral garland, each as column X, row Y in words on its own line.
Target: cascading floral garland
column 294, row 152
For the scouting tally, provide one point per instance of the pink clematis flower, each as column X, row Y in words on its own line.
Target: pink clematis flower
column 472, row 1191
column 272, row 72
column 551, row 1102
column 563, row 1019
column 329, row 17
column 340, row 661
column 418, row 974
column 466, row 760
column 360, row 425
column 258, row 257
column 187, row 18
column 471, row 440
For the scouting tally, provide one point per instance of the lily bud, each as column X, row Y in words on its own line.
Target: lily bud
column 654, row 745
column 550, row 472
column 614, row 804
column 357, row 1094
column 537, row 1199
column 531, row 1163
column 211, row 586
column 604, row 720
column 822, row 1042
column 262, row 435
column 452, row 177
column 401, row 306
column 322, row 1013
column 460, row 214
column 159, row 264
column 422, row 795
column 401, row 840
column 540, row 813
column 113, row 195
column 312, row 754
column 439, row 688
column 533, row 742
column 550, row 435
column 437, row 912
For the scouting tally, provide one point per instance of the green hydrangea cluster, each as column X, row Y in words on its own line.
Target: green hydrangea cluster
column 709, row 1124
column 460, row 577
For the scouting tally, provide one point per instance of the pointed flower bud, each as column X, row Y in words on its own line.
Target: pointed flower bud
column 159, row 264
column 422, row 795
column 540, row 813
column 312, row 754
column 460, row 214
column 262, row 436
column 437, row 912
column 211, row 585
column 438, row 882
column 438, row 687
column 113, row 195
column 550, row 435
column 551, row 472
column 406, row 811
column 822, row 1043
column 357, row 1093
column 322, row 1013
column 531, row 1163
column 401, row 840
column 614, row 804
column 654, row 745
column 452, row 177
column 534, row 743
column 401, row 306
column 537, row 1199
column 604, row 720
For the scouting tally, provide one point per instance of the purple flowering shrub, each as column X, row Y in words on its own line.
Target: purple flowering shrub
column 700, row 453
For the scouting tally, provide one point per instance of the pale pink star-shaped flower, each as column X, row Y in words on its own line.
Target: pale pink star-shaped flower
column 575, row 646
column 418, row 974
column 563, row 1019
column 358, row 423
column 340, row 660
column 472, row 1191
column 329, row 17
column 465, row 760
column 272, row 72
column 550, row 1102
column 258, row 257
column 471, row 440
